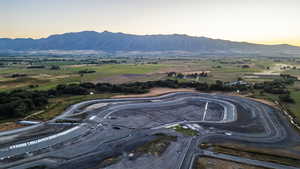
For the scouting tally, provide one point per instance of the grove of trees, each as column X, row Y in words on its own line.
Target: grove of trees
column 19, row 103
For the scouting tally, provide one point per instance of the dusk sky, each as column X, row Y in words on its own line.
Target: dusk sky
column 258, row 21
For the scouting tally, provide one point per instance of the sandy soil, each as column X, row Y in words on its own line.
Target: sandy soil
column 157, row 92
column 95, row 106
column 9, row 126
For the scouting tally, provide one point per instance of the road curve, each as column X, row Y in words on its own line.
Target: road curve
column 137, row 119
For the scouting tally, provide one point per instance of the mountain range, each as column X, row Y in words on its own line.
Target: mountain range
column 109, row 42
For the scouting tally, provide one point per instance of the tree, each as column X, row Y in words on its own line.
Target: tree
column 286, row 98
column 180, row 76
column 54, row 67
column 245, row 66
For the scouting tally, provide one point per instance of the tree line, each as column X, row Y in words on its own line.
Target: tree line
column 191, row 75
column 19, row 103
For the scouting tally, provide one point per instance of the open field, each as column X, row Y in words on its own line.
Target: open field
column 47, row 79
column 227, row 70
column 119, row 73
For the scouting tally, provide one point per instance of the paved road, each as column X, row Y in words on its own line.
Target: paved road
column 137, row 118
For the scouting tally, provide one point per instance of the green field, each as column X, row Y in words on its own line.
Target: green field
column 227, row 70
column 68, row 72
column 58, row 105
column 47, row 79
column 295, row 108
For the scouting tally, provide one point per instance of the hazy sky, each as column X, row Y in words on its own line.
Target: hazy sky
column 260, row 21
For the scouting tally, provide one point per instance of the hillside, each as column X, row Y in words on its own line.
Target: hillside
column 119, row 42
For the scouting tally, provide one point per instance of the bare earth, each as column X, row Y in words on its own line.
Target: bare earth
column 275, row 70
column 213, row 163
column 95, row 106
column 256, row 99
column 265, row 102
column 9, row 126
column 161, row 91
column 157, row 92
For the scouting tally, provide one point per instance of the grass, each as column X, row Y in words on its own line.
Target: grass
column 121, row 68
column 58, row 105
column 226, row 72
column 21, row 82
column 157, row 146
column 265, row 96
column 263, row 63
column 237, row 69
column 295, row 108
column 188, row 131
column 69, row 71
column 47, row 79
column 295, row 94
column 230, row 71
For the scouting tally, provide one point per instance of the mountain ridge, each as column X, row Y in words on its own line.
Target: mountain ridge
column 175, row 34
column 117, row 42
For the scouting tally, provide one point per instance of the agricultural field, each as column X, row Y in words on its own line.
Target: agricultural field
column 19, row 74
column 46, row 78
column 47, row 91
column 119, row 72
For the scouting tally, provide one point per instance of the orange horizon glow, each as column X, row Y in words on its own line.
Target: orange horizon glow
column 289, row 42
column 255, row 21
